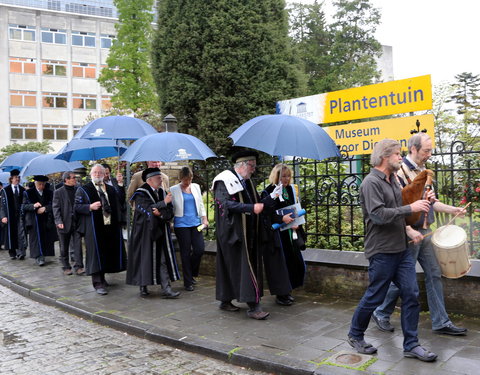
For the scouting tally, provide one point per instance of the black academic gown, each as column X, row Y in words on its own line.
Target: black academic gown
column 240, row 236
column 41, row 229
column 13, row 236
column 150, row 236
column 284, row 243
column 105, row 249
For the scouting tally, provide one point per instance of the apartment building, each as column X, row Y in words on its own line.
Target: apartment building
column 51, row 54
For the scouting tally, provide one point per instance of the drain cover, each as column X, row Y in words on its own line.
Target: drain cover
column 350, row 359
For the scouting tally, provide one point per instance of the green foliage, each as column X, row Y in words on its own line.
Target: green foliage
column 128, row 74
column 218, row 64
column 338, row 55
column 43, row 147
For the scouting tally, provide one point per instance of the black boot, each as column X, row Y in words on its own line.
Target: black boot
column 144, row 291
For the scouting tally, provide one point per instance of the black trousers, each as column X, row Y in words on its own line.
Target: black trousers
column 98, row 280
column 65, row 240
column 192, row 247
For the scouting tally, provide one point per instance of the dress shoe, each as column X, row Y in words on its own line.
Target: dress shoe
column 382, row 324
column 194, row 282
column 258, row 314
column 68, row 272
column 291, row 298
column 101, row 291
column 144, row 290
column 21, row 257
column 228, row 306
column 283, row 300
column 13, row 258
column 170, row 294
column 452, row 330
column 40, row 261
column 189, row 288
column 80, row 271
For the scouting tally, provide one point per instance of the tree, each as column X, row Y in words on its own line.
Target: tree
column 128, row 74
column 217, row 64
column 43, row 147
column 338, row 55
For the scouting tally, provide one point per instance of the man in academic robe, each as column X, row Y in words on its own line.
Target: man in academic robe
column 13, row 236
column 64, row 216
column 136, row 180
column 151, row 255
column 98, row 211
column 240, row 235
column 117, row 184
column 37, row 206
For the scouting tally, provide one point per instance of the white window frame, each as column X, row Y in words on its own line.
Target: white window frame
column 84, row 35
column 22, row 61
column 56, row 129
column 23, row 94
column 54, row 32
column 55, row 96
column 106, row 37
column 55, row 64
column 23, row 128
column 84, row 98
column 23, row 30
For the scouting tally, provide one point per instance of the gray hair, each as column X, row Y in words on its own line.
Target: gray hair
column 416, row 141
column 97, row 166
column 383, row 149
column 66, row 175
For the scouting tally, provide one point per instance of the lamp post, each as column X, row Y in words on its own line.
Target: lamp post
column 170, row 123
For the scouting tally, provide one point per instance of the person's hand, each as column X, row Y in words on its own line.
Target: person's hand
column 459, row 210
column 60, row 226
column 287, row 219
column 422, row 205
column 258, row 208
column 37, row 205
column 414, row 235
column 95, row 206
column 277, row 193
column 4, row 220
column 41, row 210
column 156, row 212
column 205, row 221
column 168, row 198
column 120, row 178
column 431, row 196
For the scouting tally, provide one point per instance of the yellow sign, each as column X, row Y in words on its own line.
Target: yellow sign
column 406, row 95
column 382, row 99
column 359, row 139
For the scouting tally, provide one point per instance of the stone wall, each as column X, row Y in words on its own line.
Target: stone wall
column 344, row 274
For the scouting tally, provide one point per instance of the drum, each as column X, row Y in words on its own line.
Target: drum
column 451, row 249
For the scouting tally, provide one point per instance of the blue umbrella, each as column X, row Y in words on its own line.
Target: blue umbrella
column 4, row 176
column 47, row 164
column 115, row 127
column 90, row 149
column 168, row 147
column 18, row 160
column 284, row 135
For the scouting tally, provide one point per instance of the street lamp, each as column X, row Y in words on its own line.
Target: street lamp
column 170, row 122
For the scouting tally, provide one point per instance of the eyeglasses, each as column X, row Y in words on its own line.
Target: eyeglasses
column 252, row 165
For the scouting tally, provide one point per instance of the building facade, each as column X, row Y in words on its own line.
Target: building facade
column 51, row 54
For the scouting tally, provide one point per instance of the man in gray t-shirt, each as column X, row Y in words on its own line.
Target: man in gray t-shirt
column 386, row 251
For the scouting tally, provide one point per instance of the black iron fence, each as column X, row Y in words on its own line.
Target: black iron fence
column 329, row 192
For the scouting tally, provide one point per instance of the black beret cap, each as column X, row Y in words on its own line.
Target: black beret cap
column 14, row 172
column 245, row 155
column 149, row 172
column 40, row 178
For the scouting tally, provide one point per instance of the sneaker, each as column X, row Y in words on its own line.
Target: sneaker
column 451, row 329
column 383, row 324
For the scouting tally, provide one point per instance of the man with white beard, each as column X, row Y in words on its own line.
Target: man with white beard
column 98, row 210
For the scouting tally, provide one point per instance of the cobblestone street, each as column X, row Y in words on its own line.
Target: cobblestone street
column 39, row 339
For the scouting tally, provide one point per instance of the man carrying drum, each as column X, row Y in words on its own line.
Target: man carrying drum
column 419, row 151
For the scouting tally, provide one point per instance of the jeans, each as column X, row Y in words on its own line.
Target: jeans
column 398, row 268
column 424, row 253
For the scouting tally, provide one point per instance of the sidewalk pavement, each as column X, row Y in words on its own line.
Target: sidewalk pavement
column 308, row 337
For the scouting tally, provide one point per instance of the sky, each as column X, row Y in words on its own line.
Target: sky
column 437, row 37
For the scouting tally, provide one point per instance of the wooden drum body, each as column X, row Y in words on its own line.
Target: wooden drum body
column 451, row 249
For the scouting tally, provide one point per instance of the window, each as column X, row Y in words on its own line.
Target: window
column 80, row 38
column 54, row 68
column 23, row 98
column 106, row 40
column 106, row 103
column 82, row 101
column 76, row 128
column 22, row 65
column 22, row 32
column 54, row 100
column 55, row 36
column 23, row 131
column 84, row 70
column 55, row 132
